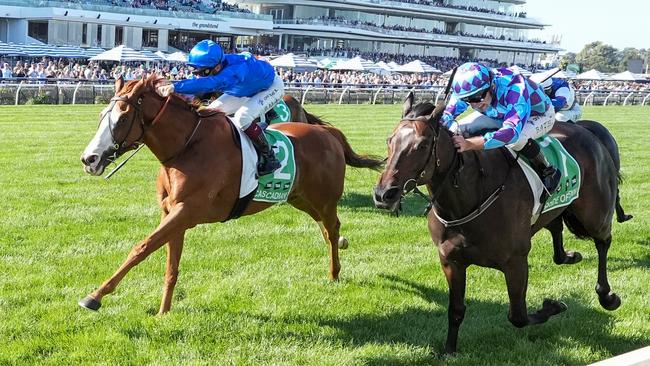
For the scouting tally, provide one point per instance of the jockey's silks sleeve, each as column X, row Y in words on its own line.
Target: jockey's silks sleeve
column 242, row 75
column 225, row 79
column 454, row 108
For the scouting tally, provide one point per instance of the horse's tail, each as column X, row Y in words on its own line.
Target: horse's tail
column 352, row 158
column 315, row 120
column 606, row 138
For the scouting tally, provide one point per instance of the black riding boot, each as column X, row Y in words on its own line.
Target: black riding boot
column 549, row 174
column 267, row 163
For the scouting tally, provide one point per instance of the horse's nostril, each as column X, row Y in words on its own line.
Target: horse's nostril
column 89, row 159
column 390, row 193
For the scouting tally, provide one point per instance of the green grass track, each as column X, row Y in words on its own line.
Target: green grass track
column 255, row 292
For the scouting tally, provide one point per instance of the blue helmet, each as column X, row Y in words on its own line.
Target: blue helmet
column 470, row 78
column 206, row 54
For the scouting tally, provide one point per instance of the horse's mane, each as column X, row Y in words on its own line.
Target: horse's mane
column 151, row 83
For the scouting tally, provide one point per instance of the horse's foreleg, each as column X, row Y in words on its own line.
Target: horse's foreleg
column 174, row 251
column 173, row 224
column 456, row 280
column 560, row 256
column 516, row 273
column 607, row 299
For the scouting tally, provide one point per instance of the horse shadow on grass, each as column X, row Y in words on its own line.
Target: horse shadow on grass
column 643, row 261
column 485, row 334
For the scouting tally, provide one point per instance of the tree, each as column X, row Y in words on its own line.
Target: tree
column 630, row 53
column 599, row 56
column 567, row 58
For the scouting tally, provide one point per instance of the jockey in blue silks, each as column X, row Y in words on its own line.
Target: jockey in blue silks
column 250, row 88
column 563, row 97
column 506, row 101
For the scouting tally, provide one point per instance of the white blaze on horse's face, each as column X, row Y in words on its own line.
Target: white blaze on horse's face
column 95, row 156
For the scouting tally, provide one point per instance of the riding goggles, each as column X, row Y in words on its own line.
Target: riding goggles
column 476, row 98
column 202, row 72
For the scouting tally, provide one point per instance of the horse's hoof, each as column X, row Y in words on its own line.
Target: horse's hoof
column 343, row 243
column 554, row 307
column 572, row 257
column 610, row 301
column 625, row 218
column 90, row 303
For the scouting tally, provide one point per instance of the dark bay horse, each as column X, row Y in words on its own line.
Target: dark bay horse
column 200, row 174
column 496, row 234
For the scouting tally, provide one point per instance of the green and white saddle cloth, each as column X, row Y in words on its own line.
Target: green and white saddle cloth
column 275, row 187
column 569, row 187
column 282, row 113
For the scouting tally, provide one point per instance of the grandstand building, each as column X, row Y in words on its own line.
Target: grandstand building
column 104, row 23
column 485, row 29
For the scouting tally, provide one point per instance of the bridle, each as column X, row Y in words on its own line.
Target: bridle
column 120, row 148
column 431, row 154
column 454, row 166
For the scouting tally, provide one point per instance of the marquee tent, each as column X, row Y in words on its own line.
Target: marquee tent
column 121, row 54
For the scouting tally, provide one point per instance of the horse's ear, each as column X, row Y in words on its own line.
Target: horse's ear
column 119, row 84
column 408, row 104
column 434, row 117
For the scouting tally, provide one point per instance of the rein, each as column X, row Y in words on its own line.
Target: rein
column 453, row 168
column 138, row 143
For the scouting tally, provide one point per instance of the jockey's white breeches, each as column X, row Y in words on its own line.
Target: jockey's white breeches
column 246, row 109
column 572, row 114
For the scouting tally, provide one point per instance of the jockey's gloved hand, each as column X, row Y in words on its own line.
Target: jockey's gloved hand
column 165, row 90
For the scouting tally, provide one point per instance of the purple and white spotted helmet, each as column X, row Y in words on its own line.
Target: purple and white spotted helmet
column 470, row 78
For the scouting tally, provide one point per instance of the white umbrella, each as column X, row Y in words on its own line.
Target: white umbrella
column 541, row 76
column 296, row 62
column 384, row 68
column 592, row 74
column 354, row 64
column 8, row 49
column 161, row 54
column 393, row 65
column 520, row 70
column 417, row 66
column 93, row 51
column 69, row 52
column 121, row 54
column 625, row 76
column 152, row 55
column 177, row 57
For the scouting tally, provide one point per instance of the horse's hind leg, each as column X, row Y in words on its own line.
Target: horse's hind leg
column 329, row 225
column 516, row 273
column 621, row 216
column 170, row 226
column 560, row 256
column 607, row 299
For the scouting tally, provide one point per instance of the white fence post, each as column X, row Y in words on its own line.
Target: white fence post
column 304, row 95
column 347, row 88
column 74, row 95
column 626, row 98
column 587, row 99
column 18, row 90
column 645, row 98
column 374, row 99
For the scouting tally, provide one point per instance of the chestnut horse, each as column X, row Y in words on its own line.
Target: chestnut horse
column 200, row 174
column 486, row 205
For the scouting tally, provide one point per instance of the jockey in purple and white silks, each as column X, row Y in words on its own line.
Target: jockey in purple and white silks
column 563, row 98
column 507, row 102
column 250, row 88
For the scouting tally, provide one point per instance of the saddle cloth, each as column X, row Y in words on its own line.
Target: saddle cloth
column 569, row 187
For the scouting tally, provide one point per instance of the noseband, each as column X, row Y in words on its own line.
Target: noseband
column 119, row 148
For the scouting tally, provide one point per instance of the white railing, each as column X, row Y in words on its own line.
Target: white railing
column 18, row 93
